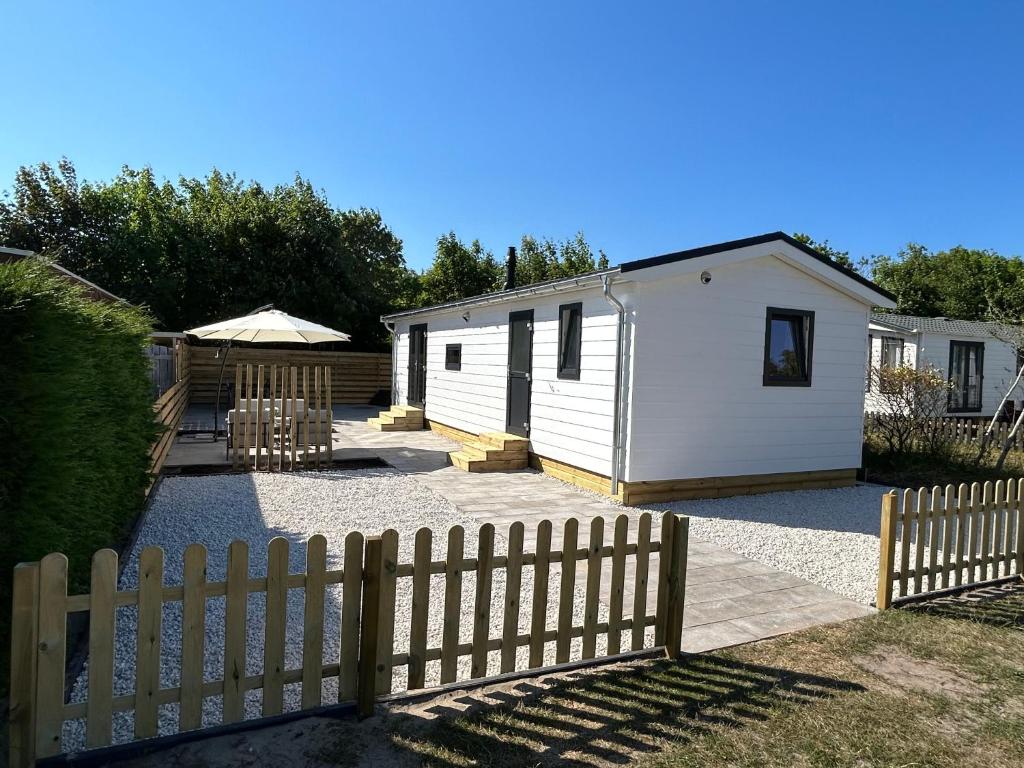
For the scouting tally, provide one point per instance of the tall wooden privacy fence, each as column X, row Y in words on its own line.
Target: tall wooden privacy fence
column 357, row 376
column 169, row 409
column 282, row 417
column 952, row 537
column 372, row 643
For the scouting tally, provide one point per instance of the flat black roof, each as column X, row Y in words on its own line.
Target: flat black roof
column 707, row 250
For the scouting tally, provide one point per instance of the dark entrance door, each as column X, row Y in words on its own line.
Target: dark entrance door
column 417, row 364
column 520, row 365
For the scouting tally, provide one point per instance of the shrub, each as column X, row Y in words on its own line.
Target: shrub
column 76, row 423
column 911, row 404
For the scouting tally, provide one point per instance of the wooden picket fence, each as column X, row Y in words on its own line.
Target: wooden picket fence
column 369, row 583
column 282, row 417
column 964, row 431
column 938, row 539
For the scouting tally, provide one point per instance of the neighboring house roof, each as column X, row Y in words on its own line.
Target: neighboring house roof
column 553, row 286
column 946, row 326
column 8, row 255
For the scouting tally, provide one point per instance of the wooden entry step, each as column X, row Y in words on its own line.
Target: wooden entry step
column 400, row 418
column 492, row 452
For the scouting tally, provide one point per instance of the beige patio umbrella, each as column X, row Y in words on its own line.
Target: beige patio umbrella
column 261, row 326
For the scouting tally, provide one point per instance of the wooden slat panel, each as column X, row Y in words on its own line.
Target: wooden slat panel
column 348, row 668
column 513, row 588
column 102, row 587
column 271, row 419
column 193, row 638
column 313, row 621
column 1019, row 511
column 963, row 506
column 236, row 435
column 235, row 618
column 539, row 608
column 948, row 522
column 906, row 522
column 934, row 541
column 369, row 641
column 386, row 633
column 261, row 421
column 274, row 626
column 319, row 406
column 593, row 593
column 987, row 511
column 293, row 426
column 617, row 585
column 329, row 408
column 977, row 505
column 567, row 590
column 147, row 653
column 1008, row 529
column 247, row 421
column 482, row 603
column 452, row 604
column 998, row 514
column 664, row 563
column 53, row 581
column 920, row 537
column 24, row 656
column 643, row 546
column 420, row 607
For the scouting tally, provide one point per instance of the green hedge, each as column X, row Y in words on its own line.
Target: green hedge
column 76, row 423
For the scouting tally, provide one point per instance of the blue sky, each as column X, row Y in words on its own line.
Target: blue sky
column 651, row 127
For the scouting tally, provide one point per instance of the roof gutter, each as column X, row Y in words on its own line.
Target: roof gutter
column 606, row 284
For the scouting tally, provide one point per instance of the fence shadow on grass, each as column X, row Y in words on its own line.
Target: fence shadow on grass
column 998, row 606
column 609, row 717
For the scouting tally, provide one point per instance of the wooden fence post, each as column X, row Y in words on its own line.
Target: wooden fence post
column 366, row 690
column 676, row 586
column 51, row 654
column 24, row 642
column 887, row 557
column 664, row 565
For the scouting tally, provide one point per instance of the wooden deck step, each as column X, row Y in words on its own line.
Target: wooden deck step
column 503, row 441
column 399, row 418
column 470, row 463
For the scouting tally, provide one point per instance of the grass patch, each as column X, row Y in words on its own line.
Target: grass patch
column 921, row 470
column 938, row 685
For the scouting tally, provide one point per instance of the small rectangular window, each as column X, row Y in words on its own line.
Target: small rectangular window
column 891, row 359
column 788, row 344
column 453, row 357
column 966, row 374
column 570, row 339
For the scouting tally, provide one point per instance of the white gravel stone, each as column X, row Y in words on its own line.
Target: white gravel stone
column 829, row 537
column 216, row 510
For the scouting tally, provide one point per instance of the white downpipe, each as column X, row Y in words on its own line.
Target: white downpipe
column 390, row 325
column 619, row 370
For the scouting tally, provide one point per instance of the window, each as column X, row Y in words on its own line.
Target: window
column 453, row 357
column 966, row 373
column 788, row 344
column 891, row 359
column 570, row 337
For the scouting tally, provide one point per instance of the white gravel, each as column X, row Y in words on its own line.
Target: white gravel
column 829, row 537
column 217, row 510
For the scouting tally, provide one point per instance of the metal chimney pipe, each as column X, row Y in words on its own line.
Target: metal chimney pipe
column 510, row 269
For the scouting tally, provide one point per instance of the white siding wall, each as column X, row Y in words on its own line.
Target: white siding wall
column 570, row 421
column 699, row 408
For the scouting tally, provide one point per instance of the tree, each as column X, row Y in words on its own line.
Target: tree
column 911, row 404
column 825, row 248
column 201, row 250
column 459, row 271
column 546, row 259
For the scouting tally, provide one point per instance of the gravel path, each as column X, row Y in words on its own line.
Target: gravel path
column 216, row 510
column 829, row 537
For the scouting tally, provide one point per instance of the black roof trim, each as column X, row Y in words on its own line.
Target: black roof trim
column 731, row 245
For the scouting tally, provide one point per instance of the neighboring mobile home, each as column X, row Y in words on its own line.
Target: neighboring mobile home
column 732, row 368
column 976, row 358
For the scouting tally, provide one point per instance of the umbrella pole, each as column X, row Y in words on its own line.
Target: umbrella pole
column 216, row 397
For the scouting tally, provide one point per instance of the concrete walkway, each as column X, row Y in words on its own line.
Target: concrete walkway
column 730, row 599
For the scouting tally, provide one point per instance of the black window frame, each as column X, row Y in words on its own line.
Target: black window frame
column 449, row 364
column 960, row 406
column 882, row 364
column 807, row 318
column 575, row 311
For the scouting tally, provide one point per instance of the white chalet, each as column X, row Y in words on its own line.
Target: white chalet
column 727, row 369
